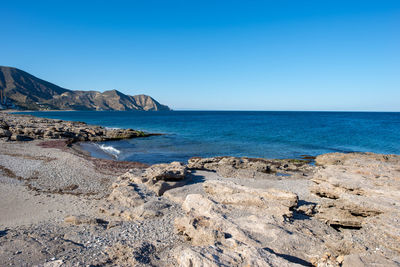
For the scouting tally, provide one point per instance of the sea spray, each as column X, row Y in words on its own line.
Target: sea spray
column 109, row 150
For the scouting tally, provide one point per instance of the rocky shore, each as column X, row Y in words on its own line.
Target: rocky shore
column 63, row 208
column 27, row 128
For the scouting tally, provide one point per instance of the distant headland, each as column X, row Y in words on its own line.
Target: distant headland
column 21, row 90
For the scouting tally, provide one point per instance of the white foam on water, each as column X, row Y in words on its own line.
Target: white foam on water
column 110, row 150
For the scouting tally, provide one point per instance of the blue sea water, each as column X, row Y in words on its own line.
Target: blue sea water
column 269, row 134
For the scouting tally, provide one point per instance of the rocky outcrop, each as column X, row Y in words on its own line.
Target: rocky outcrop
column 162, row 177
column 249, row 167
column 351, row 217
column 134, row 194
column 25, row 128
column 29, row 92
column 130, row 202
column 235, row 225
column 174, row 171
column 361, row 191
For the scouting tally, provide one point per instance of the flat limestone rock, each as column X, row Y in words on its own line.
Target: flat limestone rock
column 130, row 199
column 230, row 193
column 361, row 191
column 234, row 225
column 249, row 167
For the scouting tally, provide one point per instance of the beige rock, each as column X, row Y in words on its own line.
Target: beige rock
column 161, row 186
column 126, row 196
column 128, row 202
column 248, row 167
column 159, row 177
column 361, row 191
column 231, row 193
column 229, row 225
column 174, row 171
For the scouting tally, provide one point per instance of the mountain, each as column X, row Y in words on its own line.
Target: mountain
column 29, row 92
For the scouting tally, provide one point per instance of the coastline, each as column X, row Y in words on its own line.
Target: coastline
column 63, row 207
column 17, row 127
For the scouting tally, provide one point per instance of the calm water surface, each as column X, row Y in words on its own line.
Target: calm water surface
column 240, row 133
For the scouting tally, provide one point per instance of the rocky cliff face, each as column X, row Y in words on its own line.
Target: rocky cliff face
column 29, row 92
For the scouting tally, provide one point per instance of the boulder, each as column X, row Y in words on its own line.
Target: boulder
column 174, row 171
column 160, row 187
column 159, row 178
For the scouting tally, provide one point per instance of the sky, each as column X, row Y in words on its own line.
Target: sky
column 214, row 55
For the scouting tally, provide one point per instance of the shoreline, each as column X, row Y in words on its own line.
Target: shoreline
column 21, row 127
column 60, row 206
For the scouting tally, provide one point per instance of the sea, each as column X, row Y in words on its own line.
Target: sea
column 261, row 134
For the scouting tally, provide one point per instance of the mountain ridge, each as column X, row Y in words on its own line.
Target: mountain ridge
column 27, row 91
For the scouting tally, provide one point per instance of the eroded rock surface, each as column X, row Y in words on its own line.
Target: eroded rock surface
column 350, row 216
column 136, row 194
column 25, row 128
column 249, row 167
column 235, row 225
column 361, row 191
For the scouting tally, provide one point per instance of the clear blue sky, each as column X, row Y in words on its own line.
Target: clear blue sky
column 232, row 55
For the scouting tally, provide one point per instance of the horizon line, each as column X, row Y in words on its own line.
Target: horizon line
column 216, row 110
column 282, row 110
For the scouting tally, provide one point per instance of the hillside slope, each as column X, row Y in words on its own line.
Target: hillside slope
column 29, row 92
